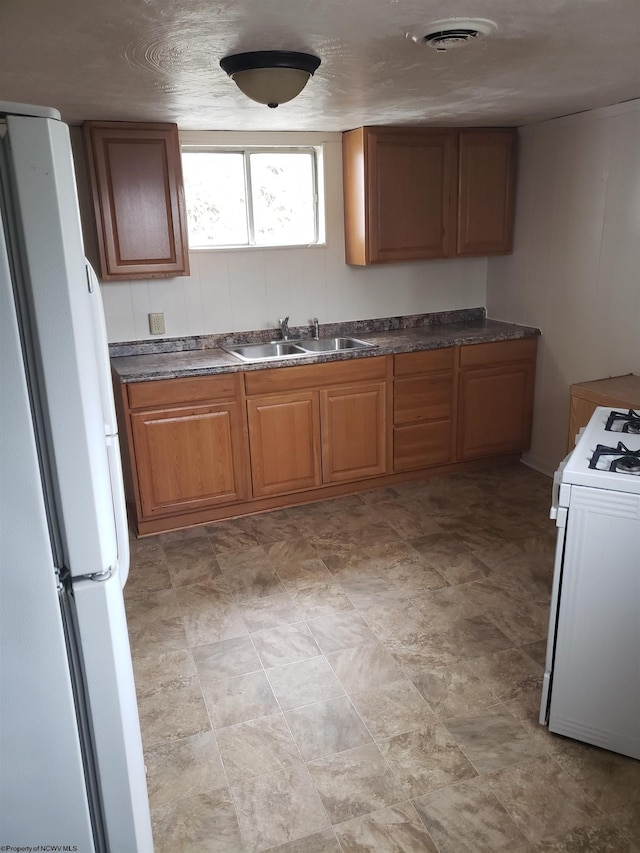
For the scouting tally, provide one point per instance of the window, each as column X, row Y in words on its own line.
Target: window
column 252, row 197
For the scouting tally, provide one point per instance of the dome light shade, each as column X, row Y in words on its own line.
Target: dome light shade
column 270, row 77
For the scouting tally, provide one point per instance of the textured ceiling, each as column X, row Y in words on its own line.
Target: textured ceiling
column 146, row 60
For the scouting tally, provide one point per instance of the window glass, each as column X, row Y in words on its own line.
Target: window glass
column 251, row 197
column 215, row 191
column 282, row 190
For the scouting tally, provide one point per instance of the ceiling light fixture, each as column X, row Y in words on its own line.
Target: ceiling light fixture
column 270, row 77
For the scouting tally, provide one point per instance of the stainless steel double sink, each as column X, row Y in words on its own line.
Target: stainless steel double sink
column 277, row 350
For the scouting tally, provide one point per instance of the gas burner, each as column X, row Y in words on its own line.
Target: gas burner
column 628, row 422
column 619, row 459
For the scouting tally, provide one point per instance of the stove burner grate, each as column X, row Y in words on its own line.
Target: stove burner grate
column 618, row 459
column 628, row 422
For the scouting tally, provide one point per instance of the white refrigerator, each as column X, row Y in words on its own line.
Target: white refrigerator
column 71, row 764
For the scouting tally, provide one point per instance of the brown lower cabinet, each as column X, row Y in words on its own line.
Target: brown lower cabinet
column 319, row 435
column 205, row 448
column 495, row 398
column 423, row 409
column 186, row 445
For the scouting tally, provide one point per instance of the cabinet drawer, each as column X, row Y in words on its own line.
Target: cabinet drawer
column 498, row 352
column 422, row 445
column 429, row 361
column 422, row 398
column 191, row 390
column 315, row 375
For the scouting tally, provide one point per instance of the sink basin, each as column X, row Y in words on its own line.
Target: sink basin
column 332, row 344
column 292, row 349
column 262, row 352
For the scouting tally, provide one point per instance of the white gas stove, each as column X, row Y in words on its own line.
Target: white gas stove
column 607, row 453
column 591, row 687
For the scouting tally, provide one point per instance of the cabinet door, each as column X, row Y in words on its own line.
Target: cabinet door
column 410, row 211
column 138, row 197
column 353, row 432
column 486, row 183
column 284, row 437
column 188, row 458
column 494, row 410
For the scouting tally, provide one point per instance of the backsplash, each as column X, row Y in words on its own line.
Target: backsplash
column 380, row 324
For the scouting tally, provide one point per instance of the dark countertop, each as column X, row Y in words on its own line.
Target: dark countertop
column 213, row 360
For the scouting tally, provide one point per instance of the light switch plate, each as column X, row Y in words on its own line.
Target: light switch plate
column 156, row 324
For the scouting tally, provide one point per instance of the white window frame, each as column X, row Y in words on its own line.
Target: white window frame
column 317, row 161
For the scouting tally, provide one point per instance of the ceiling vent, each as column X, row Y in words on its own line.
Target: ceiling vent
column 455, row 32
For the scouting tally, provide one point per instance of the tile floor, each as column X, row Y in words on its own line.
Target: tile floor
column 363, row 674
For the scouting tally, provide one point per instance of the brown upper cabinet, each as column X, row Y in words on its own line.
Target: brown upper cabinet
column 416, row 194
column 138, row 199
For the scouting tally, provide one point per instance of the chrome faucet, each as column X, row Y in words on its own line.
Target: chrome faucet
column 316, row 328
column 284, row 328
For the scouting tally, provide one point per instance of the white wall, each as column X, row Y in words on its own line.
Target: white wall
column 238, row 290
column 575, row 270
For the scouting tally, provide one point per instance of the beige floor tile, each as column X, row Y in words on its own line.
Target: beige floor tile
column 229, row 536
column 492, row 738
column 166, row 670
column 628, row 820
column 304, row 682
column 542, row 800
column 236, row 700
column 184, row 768
column 319, row 842
column 191, row 561
column 416, row 578
column 273, row 526
column 321, row 599
column 155, row 623
column 304, row 573
column 269, row 612
column 148, row 570
column 426, row 759
column 285, row 644
column 396, row 619
column 409, row 523
column 207, row 615
column 371, row 591
column 278, row 807
column 361, row 666
column 599, row 836
column 443, row 607
column 454, row 690
column 176, row 712
column 327, row 727
column 508, row 674
column 206, row 823
column 248, row 583
column 355, row 782
column 286, row 553
column 226, row 659
column 475, row 636
column 394, row 829
column 392, row 709
column 611, row 780
column 459, row 568
column 437, row 545
column 232, row 562
column 420, row 651
column 340, row 631
column 256, row 747
column 466, row 818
